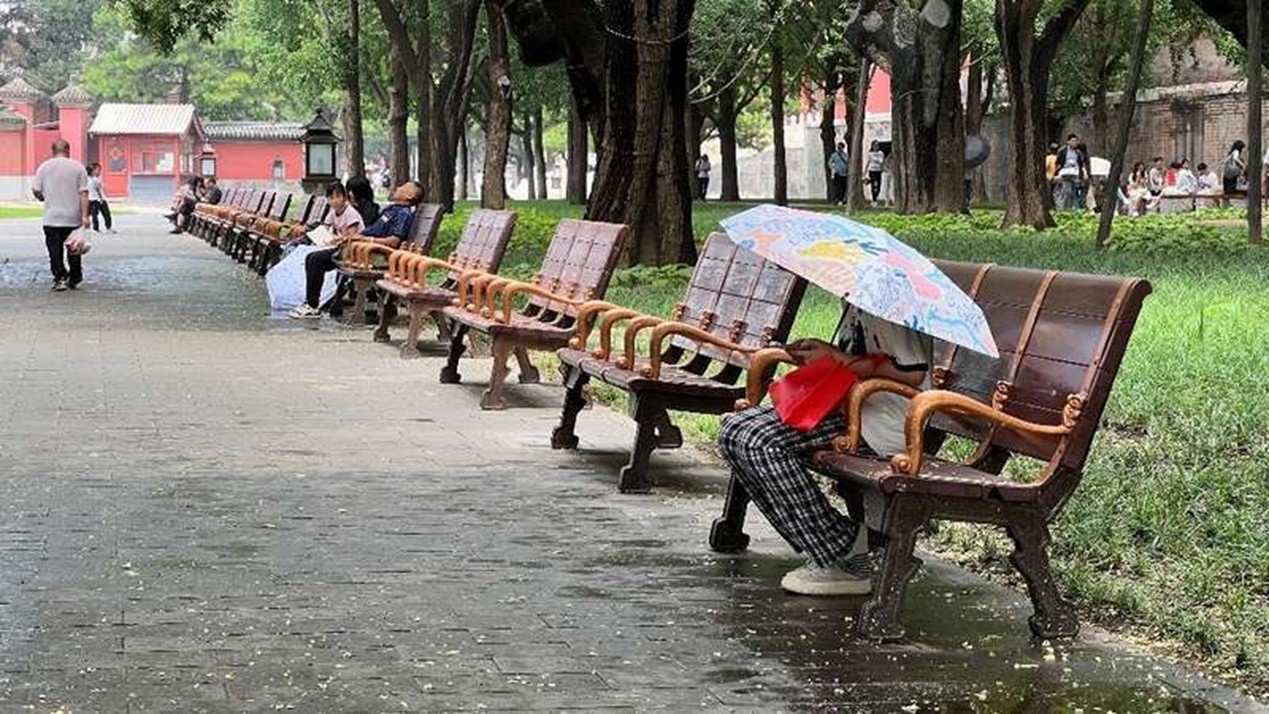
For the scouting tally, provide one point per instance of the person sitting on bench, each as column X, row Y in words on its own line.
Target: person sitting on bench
column 392, row 226
column 769, row 457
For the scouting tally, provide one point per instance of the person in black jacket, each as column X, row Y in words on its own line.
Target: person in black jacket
column 363, row 195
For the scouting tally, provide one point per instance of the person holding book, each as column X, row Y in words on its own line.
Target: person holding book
column 770, row 457
column 392, row 226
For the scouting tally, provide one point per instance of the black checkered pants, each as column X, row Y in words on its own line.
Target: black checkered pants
column 769, row 458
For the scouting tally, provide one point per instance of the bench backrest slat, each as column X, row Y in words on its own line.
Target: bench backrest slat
column 306, row 207
column 281, row 203
column 579, row 263
column 484, row 241
column 732, row 288
column 318, row 213
column 1059, row 334
column 423, row 228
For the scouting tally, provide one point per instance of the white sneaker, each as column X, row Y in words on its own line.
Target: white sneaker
column 304, row 312
column 836, row 579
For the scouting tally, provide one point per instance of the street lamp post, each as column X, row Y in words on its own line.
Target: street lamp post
column 320, row 141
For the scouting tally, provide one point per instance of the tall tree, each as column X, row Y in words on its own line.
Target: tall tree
column 778, row 96
column 441, row 101
column 921, row 51
column 1027, row 58
column 578, row 158
column 1110, row 201
column 354, row 142
column 627, row 67
column 493, row 193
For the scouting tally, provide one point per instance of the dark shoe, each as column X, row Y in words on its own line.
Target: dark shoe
column 59, row 285
column 176, row 231
column 74, row 284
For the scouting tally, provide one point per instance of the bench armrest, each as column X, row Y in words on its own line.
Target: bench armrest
column 419, row 265
column 638, row 323
column 357, row 254
column 925, row 405
column 662, row 331
column 608, row 325
column 855, row 404
column 587, row 315
column 758, row 377
column 513, row 288
column 471, row 288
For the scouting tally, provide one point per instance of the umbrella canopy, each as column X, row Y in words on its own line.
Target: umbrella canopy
column 872, row 269
column 1098, row 166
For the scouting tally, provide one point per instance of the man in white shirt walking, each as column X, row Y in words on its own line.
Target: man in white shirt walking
column 62, row 184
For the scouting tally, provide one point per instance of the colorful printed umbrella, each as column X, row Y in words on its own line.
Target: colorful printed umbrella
column 872, row 269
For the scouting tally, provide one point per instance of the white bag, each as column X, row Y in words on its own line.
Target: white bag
column 286, row 281
column 77, row 243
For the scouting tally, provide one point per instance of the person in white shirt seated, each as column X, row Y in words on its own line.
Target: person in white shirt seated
column 1208, row 182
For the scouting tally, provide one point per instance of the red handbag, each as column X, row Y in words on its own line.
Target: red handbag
column 803, row 397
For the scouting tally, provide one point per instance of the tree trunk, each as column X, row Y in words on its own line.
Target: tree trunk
column 539, row 153
column 398, row 113
column 493, row 192
column 1255, row 170
column 1027, row 62
column 855, row 174
column 527, row 169
column 643, row 174
column 1110, row 199
column 922, row 53
column 354, row 144
column 424, row 99
column 726, row 122
column 464, row 167
column 577, row 158
column 780, row 167
column 828, row 127
column 1101, row 113
column 977, row 104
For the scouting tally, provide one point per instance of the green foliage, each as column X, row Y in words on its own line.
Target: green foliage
column 164, row 23
column 653, row 277
column 56, row 37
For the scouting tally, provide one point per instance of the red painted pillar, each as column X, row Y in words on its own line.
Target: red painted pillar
column 72, row 119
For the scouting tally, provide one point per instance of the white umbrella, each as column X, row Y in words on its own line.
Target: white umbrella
column 286, row 281
column 1099, row 166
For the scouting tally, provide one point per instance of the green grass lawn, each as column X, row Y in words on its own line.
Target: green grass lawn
column 1169, row 532
column 20, row 212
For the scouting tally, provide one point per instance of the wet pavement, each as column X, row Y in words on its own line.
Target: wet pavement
column 208, row 509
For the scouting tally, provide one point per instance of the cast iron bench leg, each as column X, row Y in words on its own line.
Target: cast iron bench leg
column 528, row 373
column 358, row 316
column 387, row 315
column 668, row 435
column 879, row 619
column 634, row 476
column 1053, row 617
column 410, row 348
column 727, row 535
column 565, row 435
column 449, row 374
column 492, row 399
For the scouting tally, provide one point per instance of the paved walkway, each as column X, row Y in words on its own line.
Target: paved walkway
column 208, row 509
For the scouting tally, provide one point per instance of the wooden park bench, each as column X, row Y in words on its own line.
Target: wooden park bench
column 266, row 237
column 576, row 269
column 207, row 217
column 229, row 224
column 363, row 267
column 248, row 241
column 1061, row 337
column 736, row 304
column 479, row 252
column 1175, row 203
column 204, row 212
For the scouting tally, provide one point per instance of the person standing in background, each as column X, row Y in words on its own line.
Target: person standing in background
column 97, row 204
column 61, row 183
column 838, row 167
column 703, row 169
column 873, row 164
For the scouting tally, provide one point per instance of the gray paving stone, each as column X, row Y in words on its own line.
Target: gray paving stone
column 211, row 509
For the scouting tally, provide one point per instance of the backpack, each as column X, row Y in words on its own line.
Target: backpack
column 1232, row 169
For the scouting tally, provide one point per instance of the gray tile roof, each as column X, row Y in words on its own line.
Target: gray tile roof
column 169, row 119
column 252, row 131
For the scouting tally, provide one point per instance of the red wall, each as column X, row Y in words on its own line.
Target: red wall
column 253, row 160
column 12, row 154
column 129, row 150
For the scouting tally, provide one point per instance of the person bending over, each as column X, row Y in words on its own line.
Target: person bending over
column 392, row 226
column 770, row 458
